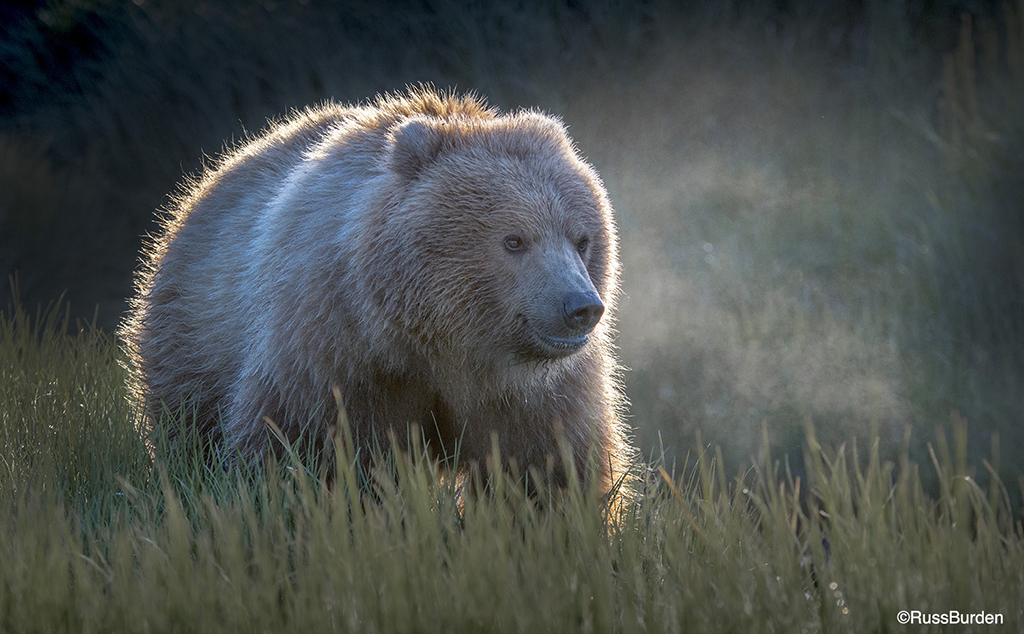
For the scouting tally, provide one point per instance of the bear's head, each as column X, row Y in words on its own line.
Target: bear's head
column 504, row 234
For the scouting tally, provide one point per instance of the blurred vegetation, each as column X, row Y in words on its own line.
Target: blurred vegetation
column 819, row 202
column 96, row 538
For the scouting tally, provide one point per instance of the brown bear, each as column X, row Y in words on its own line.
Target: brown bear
column 450, row 269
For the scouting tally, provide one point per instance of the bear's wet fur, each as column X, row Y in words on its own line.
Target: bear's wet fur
column 447, row 267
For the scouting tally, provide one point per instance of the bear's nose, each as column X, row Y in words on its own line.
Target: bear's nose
column 582, row 311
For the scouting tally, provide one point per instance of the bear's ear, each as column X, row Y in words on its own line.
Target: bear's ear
column 414, row 144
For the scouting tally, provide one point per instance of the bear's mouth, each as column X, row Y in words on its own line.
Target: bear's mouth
column 555, row 347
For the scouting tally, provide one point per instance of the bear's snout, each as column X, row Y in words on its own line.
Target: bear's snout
column 582, row 311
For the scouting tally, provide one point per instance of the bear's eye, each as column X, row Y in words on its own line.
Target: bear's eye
column 582, row 245
column 513, row 243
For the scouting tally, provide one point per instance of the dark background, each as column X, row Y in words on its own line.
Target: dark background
column 820, row 202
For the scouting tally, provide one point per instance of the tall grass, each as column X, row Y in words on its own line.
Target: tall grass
column 64, row 409
column 95, row 538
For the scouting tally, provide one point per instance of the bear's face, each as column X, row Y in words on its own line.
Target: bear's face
column 554, row 303
column 509, row 231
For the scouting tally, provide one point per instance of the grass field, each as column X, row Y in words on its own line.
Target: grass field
column 820, row 216
column 98, row 539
